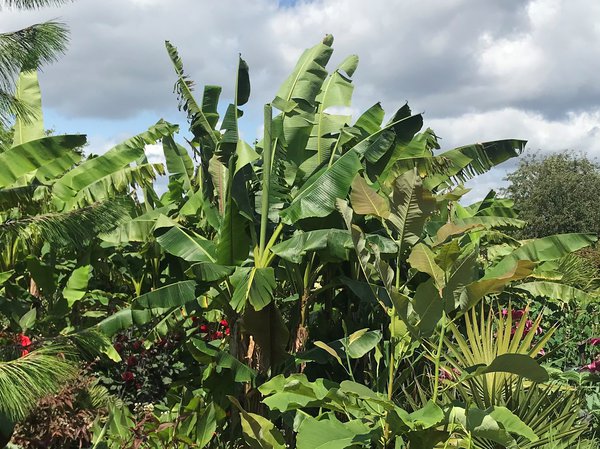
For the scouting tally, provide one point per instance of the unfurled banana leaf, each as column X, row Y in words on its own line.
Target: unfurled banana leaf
column 366, row 201
column 77, row 284
column 172, row 295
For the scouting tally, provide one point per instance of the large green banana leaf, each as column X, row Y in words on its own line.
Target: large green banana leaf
column 297, row 96
column 318, row 196
column 148, row 306
column 335, row 93
column 179, row 163
column 187, row 245
column 332, row 245
column 557, row 292
column 118, row 158
column 33, row 155
column 29, row 95
column 543, row 249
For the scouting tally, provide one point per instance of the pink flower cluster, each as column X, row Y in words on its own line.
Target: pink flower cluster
column 516, row 316
column 593, row 367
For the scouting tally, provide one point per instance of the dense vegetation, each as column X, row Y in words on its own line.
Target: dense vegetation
column 322, row 287
column 552, row 194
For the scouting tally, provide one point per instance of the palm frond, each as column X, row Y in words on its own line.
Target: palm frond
column 30, row 4
column 11, row 106
column 88, row 343
column 25, row 380
column 69, row 228
column 29, row 49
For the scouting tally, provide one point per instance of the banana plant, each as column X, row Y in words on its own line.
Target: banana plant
column 251, row 199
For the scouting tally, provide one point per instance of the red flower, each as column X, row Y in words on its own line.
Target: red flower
column 24, row 352
column 227, row 331
column 138, row 344
column 131, row 360
column 118, row 347
column 517, row 314
column 594, row 341
column 194, row 319
column 218, row 334
column 24, row 340
column 204, row 328
column 127, row 376
column 224, row 323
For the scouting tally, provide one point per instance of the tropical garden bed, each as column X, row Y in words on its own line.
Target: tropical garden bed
column 321, row 287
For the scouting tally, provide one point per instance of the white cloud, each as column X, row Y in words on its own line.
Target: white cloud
column 481, row 70
column 579, row 132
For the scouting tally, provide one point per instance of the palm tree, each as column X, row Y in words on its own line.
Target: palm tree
column 25, row 50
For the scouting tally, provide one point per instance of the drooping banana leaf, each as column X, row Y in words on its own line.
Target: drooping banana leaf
column 472, row 160
column 200, row 124
column 557, row 292
column 543, row 249
column 179, row 163
column 117, row 183
column 67, row 187
column 410, row 205
column 187, row 245
column 318, row 195
column 252, row 286
column 138, row 229
column 33, row 155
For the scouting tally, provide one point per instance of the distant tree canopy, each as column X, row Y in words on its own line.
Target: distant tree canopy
column 556, row 193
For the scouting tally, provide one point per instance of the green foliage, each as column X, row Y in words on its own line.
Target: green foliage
column 318, row 288
column 551, row 194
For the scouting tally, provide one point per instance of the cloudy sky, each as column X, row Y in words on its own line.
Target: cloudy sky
column 479, row 69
